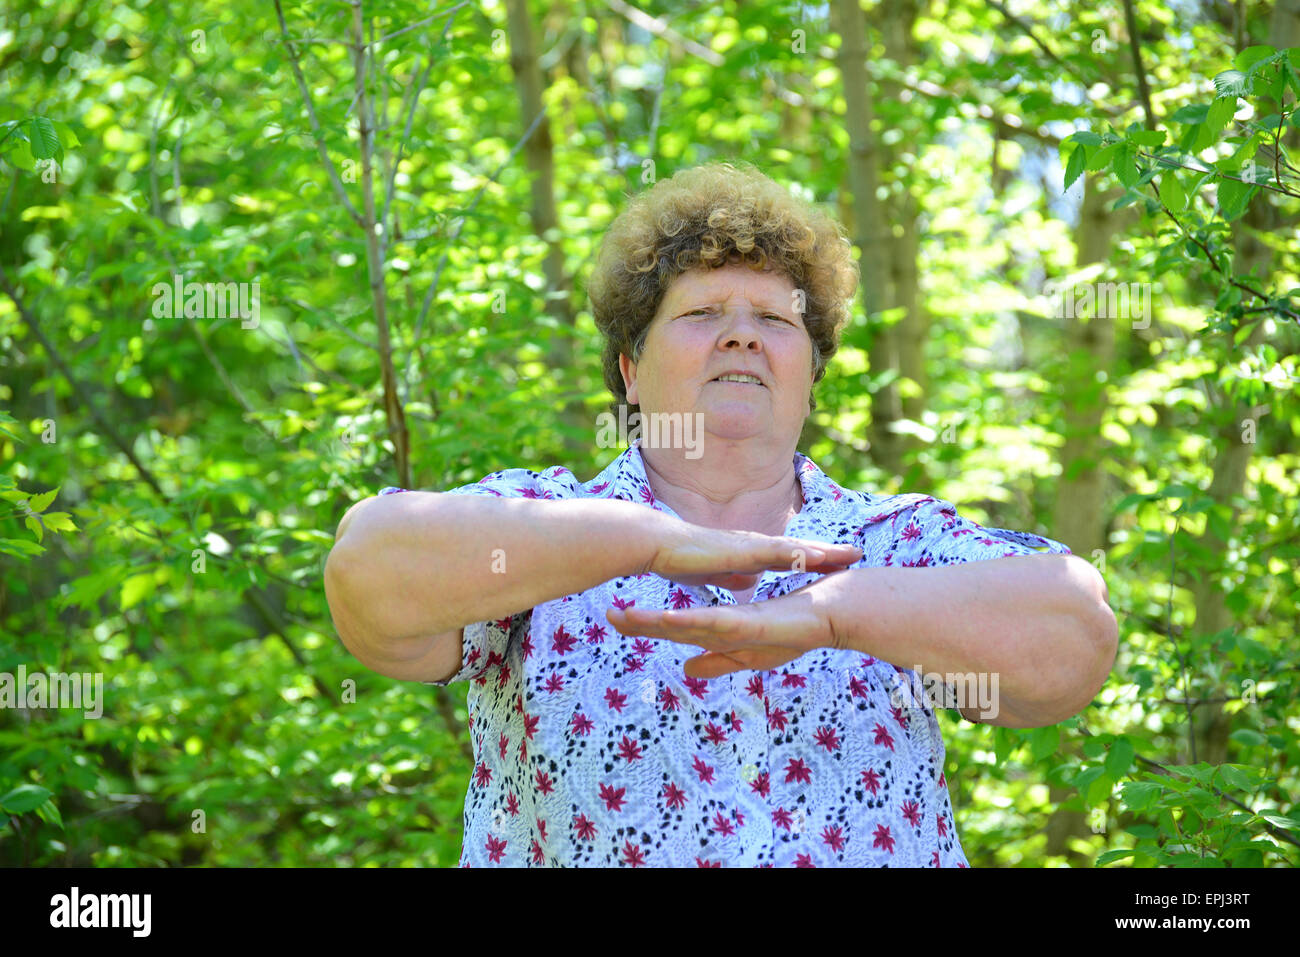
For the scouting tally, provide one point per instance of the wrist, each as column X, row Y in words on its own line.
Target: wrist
column 841, row 623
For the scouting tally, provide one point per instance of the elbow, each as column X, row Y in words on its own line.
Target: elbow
column 1093, row 643
column 1104, row 635
column 1097, row 643
column 1097, row 623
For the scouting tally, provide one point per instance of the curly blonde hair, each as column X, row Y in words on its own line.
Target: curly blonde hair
column 714, row 215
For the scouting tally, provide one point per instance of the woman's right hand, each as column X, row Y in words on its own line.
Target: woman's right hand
column 694, row 555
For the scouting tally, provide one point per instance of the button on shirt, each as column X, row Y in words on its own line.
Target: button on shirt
column 593, row 748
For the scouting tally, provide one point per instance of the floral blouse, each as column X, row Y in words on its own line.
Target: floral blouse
column 593, row 748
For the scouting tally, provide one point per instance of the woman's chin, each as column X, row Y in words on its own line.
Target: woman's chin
column 735, row 424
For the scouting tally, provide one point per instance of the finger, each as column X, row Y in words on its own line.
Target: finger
column 651, row 622
column 712, row 665
column 814, row 556
column 706, row 627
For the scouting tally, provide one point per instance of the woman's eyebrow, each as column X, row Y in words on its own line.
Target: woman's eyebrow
column 694, row 304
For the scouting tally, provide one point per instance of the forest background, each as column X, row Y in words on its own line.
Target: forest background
column 1077, row 229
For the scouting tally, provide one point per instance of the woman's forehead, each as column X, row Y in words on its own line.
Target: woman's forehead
column 730, row 282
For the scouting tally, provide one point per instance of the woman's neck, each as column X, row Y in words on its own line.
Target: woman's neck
column 721, row 494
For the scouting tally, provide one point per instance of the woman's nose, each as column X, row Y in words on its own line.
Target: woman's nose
column 743, row 328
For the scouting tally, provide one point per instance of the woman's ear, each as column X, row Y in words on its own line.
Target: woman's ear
column 628, row 368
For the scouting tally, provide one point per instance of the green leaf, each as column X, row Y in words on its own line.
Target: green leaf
column 1248, row 57
column 136, row 588
column 50, row 813
column 25, row 797
column 1233, row 197
column 1003, row 743
column 1094, row 747
column 67, row 138
column 1102, row 157
column 1085, row 777
column 1125, row 165
column 1171, row 191
column 1195, row 113
column 1116, row 855
column 1220, row 113
column 1143, row 831
column 1044, row 741
column 39, row 503
column 19, row 548
column 45, row 141
column 1120, row 758
column 1277, row 820
column 1152, row 138
column 1140, row 795
column 21, row 156
column 1230, row 83
column 1074, row 166
column 1248, row 737
column 1235, row 777
column 59, row 522
column 1099, row 790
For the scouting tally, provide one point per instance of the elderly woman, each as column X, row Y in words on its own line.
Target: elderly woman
column 711, row 655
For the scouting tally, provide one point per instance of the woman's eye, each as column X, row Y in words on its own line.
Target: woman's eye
column 779, row 318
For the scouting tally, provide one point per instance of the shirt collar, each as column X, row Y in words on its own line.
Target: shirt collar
column 625, row 478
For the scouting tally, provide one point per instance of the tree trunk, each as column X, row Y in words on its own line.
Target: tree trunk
column 897, row 28
column 538, row 154
column 871, row 233
column 1078, row 519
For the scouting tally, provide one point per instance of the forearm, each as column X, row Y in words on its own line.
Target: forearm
column 422, row 563
column 1040, row 623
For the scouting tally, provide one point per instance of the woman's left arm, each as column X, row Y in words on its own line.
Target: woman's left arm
column 1036, row 628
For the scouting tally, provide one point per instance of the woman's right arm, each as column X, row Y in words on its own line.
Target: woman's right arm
column 409, row 571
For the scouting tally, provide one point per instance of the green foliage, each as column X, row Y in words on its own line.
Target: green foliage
column 145, row 141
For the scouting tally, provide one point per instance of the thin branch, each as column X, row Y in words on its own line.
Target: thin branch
column 1165, row 161
column 393, row 404
column 211, row 356
column 333, row 376
column 1210, row 257
column 1161, row 769
column 339, row 191
column 442, row 260
column 72, row 381
column 1144, row 94
column 406, row 132
column 153, row 152
column 274, row 623
column 420, row 23
column 661, row 29
column 325, row 317
column 1169, row 617
column 384, row 217
column 654, row 117
column 1028, row 30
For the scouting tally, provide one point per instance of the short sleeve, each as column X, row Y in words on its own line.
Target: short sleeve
column 485, row 644
column 933, row 533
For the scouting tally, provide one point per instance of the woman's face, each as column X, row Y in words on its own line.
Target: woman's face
column 714, row 321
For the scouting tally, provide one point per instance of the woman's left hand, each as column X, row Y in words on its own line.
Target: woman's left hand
column 755, row 636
